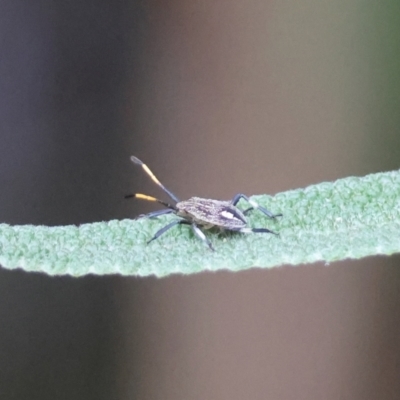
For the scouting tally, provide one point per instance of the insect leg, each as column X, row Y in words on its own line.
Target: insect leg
column 199, row 233
column 156, row 213
column 256, row 230
column 167, row 227
column 245, row 212
column 153, row 177
column 253, row 204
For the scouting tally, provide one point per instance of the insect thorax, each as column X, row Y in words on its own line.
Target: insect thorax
column 211, row 213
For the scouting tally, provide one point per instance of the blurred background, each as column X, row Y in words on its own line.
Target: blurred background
column 218, row 98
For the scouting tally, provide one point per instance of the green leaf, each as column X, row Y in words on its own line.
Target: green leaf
column 349, row 218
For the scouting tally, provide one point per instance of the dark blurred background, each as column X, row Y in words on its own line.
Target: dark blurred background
column 218, row 98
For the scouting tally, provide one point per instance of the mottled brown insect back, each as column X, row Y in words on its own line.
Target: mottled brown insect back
column 210, row 213
column 202, row 213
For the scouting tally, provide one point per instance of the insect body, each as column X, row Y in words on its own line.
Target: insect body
column 202, row 213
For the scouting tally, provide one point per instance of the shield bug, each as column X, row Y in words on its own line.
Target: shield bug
column 202, row 213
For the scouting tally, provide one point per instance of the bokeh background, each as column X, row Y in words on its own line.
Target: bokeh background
column 217, row 97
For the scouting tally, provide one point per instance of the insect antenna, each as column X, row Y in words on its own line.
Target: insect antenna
column 149, row 198
column 155, row 180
